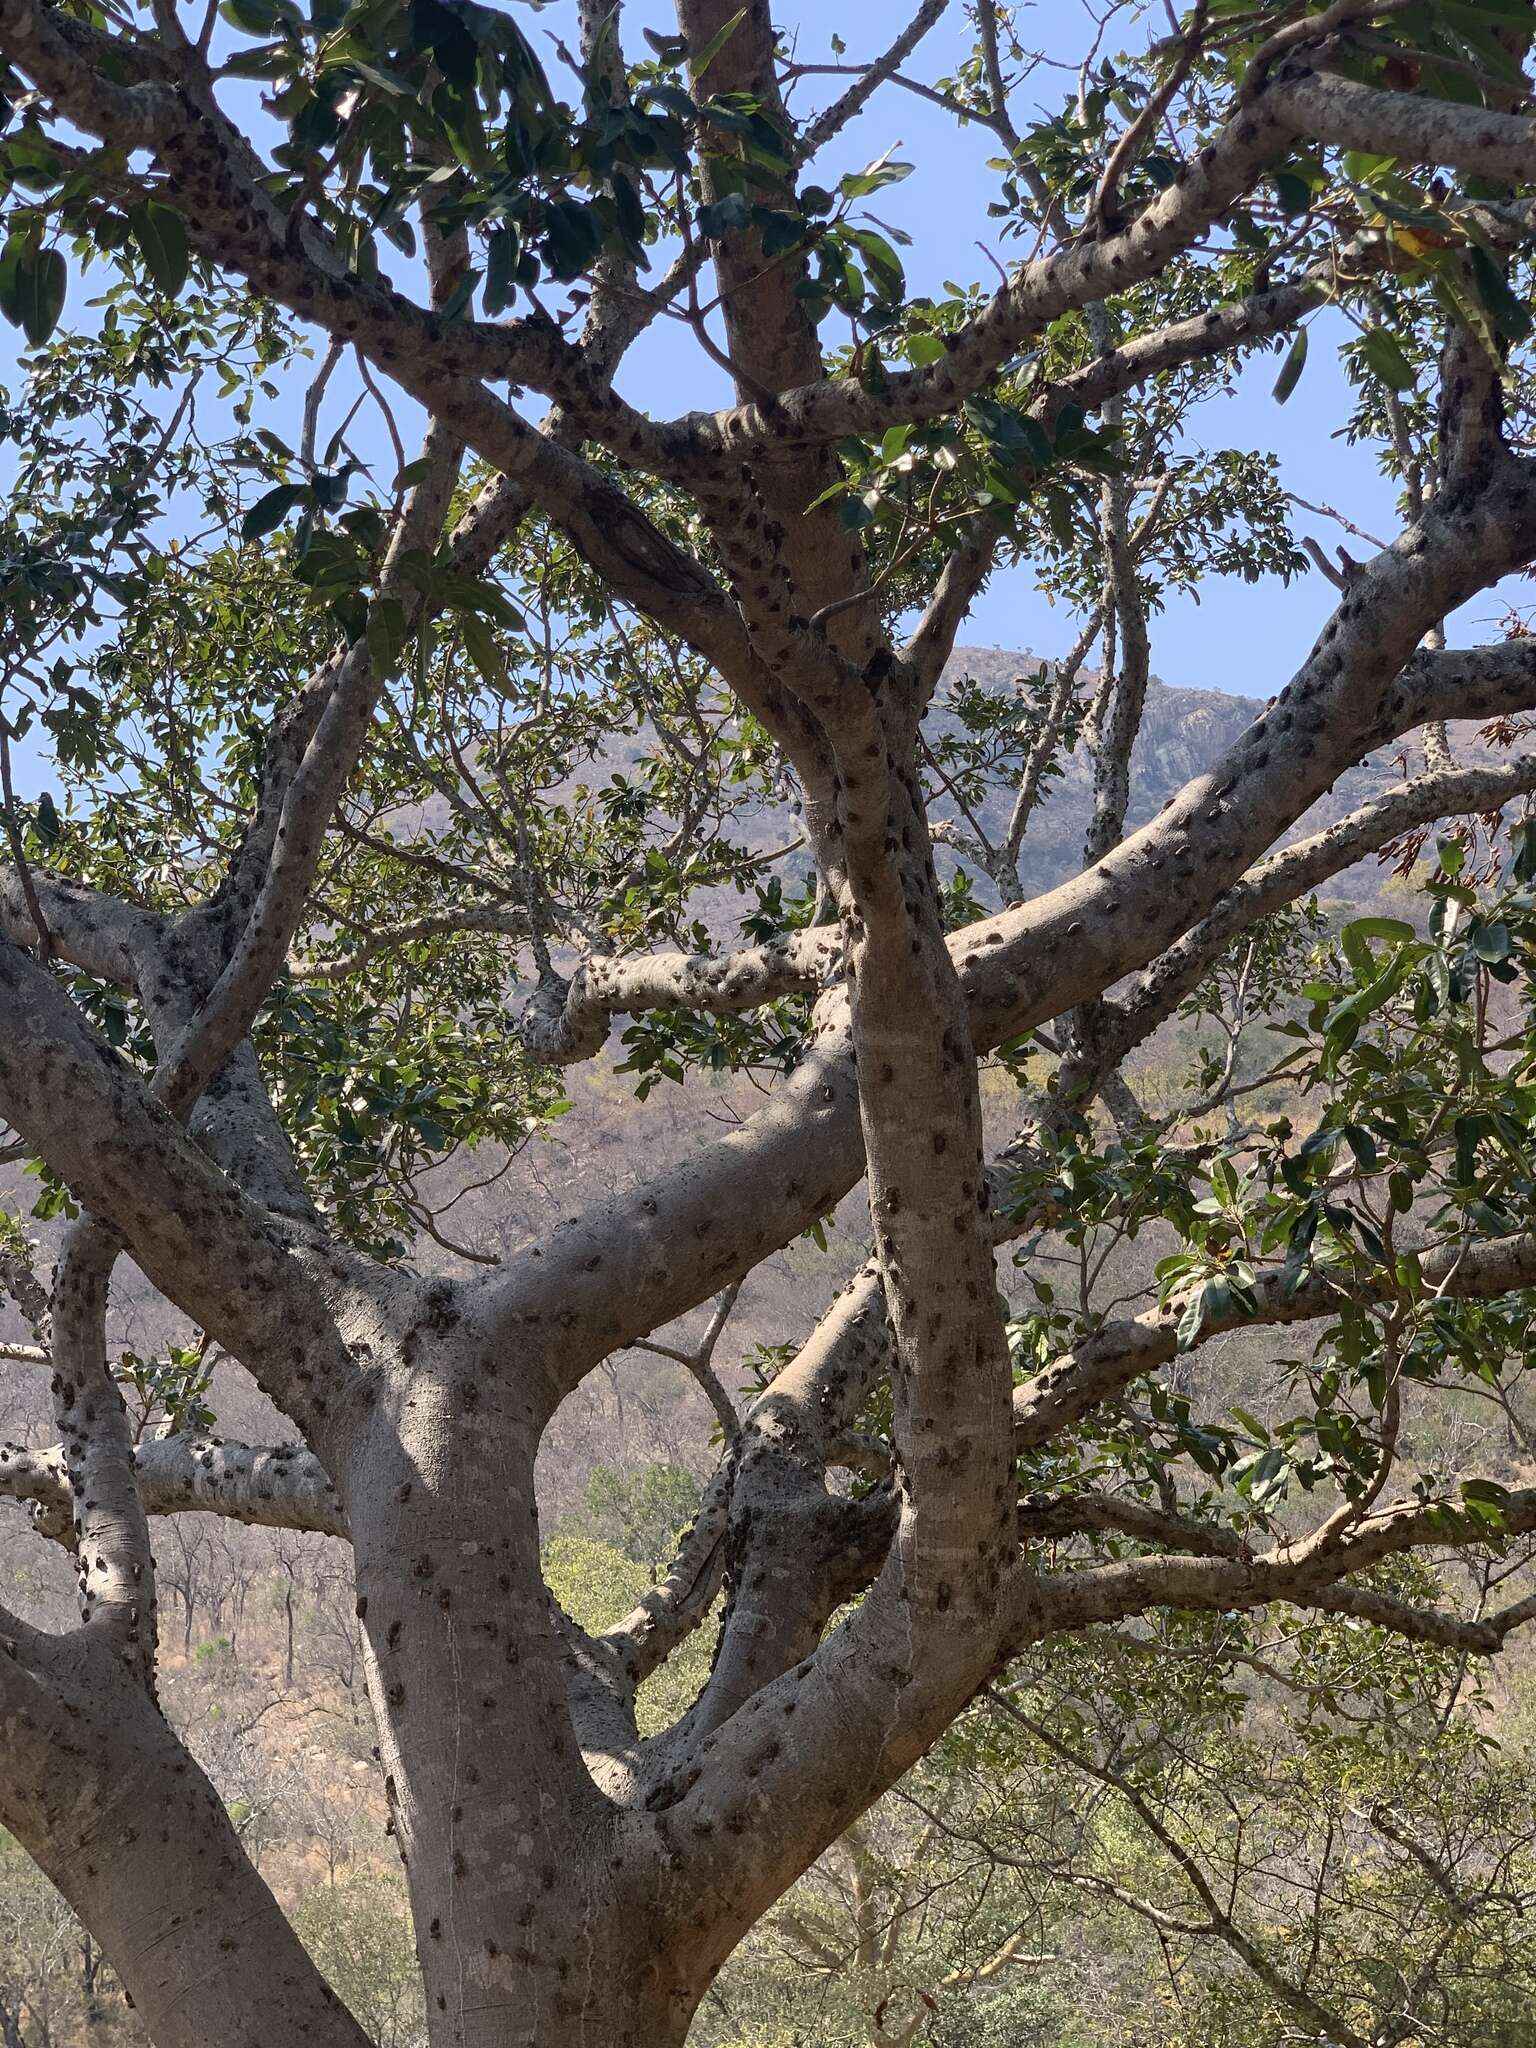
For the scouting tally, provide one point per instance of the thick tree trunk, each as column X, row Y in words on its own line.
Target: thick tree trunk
column 601, row 1987
column 529, row 1921
column 101, row 1793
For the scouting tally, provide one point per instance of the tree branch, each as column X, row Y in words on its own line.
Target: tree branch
column 205, row 1247
column 277, row 904
column 117, row 1564
column 567, row 1021
column 1130, row 1019
column 282, row 1486
column 845, row 109
column 636, row 1261
column 1476, row 141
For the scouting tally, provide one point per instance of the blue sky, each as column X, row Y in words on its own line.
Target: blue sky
column 1238, row 637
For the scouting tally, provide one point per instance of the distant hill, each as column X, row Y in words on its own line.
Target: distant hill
column 609, row 1142
column 1182, row 734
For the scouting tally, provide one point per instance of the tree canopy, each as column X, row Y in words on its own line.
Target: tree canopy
column 400, row 712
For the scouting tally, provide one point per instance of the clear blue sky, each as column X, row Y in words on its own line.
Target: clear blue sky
column 1238, row 637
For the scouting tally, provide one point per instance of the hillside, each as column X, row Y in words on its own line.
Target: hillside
column 1182, row 733
column 263, row 1655
column 608, row 1140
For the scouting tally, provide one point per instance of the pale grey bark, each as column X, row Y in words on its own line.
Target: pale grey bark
column 1106, row 1362
column 273, row 1486
column 569, row 1020
column 568, row 1881
column 111, row 1805
column 666, row 1247
column 117, row 1566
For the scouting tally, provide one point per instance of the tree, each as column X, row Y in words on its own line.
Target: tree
column 1174, row 1842
column 327, row 797
column 359, row 1930
column 52, row 1981
column 642, row 1513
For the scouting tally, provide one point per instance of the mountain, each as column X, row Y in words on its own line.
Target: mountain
column 1183, row 733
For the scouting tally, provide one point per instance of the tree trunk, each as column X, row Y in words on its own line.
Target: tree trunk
column 103, row 1796
column 90, row 1972
column 613, row 1992
column 545, row 1916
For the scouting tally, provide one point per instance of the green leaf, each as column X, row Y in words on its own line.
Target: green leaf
column 1383, row 353
column 40, row 278
column 256, row 17
column 674, row 99
column 1491, row 942
column 572, row 240
column 885, row 170
column 472, row 594
column 1360, row 167
column 387, row 633
column 443, row 31
column 1511, row 316
column 480, row 645
column 10, row 261
column 1061, row 513
column 700, row 63
column 1190, row 1321
column 1261, row 1478
column 1291, row 369
column 1359, row 955
column 502, row 249
column 1363, row 1145
column 1355, row 937
column 882, row 263
column 1396, row 930
column 1017, row 437
column 1486, row 1499
column 162, row 241
column 31, row 161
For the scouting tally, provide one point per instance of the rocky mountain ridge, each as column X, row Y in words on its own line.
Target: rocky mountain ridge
column 1183, row 733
